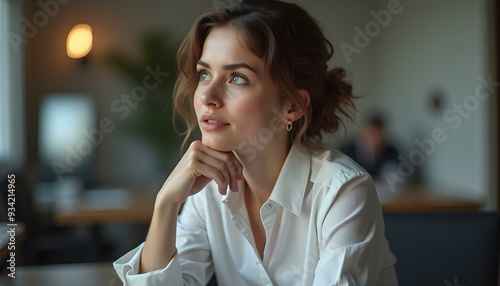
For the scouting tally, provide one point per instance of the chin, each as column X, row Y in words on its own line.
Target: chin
column 216, row 144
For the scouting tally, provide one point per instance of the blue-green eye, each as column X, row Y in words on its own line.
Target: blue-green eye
column 238, row 79
column 204, row 76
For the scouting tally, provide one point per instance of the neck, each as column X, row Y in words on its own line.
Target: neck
column 262, row 170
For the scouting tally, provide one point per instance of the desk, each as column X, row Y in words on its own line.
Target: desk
column 135, row 205
column 79, row 274
column 100, row 206
column 422, row 199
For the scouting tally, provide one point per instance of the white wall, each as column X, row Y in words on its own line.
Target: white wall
column 439, row 45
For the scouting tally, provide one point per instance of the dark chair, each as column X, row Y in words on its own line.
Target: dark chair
column 445, row 248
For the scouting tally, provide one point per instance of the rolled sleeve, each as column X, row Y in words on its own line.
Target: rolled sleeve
column 127, row 268
column 191, row 264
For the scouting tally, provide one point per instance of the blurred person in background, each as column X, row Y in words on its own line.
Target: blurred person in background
column 372, row 149
column 376, row 154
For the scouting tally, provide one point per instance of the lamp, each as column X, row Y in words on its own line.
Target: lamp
column 79, row 41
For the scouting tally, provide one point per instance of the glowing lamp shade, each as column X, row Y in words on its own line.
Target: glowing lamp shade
column 79, row 41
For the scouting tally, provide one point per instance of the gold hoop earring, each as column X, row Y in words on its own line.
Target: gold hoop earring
column 289, row 125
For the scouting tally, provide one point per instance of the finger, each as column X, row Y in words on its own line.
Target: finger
column 231, row 168
column 239, row 167
column 213, row 173
column 237, row 170
column 220, row 165
column 233, row 165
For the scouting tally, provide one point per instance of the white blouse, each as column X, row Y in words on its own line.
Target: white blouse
column 323, row 226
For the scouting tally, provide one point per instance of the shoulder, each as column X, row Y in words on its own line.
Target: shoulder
column 333, row 169
column 340, row 189
column 338, row 182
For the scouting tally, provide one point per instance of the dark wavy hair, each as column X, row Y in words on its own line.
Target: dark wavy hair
column 295, row 53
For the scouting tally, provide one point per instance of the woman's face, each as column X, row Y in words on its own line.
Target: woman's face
column 236, row 103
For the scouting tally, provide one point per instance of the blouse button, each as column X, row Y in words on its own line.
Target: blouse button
column 269, row 206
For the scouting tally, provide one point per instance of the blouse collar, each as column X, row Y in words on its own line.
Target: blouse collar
column 291, row 186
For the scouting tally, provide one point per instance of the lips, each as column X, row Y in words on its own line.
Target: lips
column 212, row 122
column 210, row 118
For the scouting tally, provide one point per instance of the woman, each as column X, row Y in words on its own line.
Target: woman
column 265, row 204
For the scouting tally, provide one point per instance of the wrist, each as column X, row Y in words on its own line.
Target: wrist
column 163, row 204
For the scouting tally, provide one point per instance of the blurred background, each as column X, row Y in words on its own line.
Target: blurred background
column 90, row 139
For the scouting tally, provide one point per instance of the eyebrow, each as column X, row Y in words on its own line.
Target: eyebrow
column 229, row 67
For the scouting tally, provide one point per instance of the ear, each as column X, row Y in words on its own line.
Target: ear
column 293, row 113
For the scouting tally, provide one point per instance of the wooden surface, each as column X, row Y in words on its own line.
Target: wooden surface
column 136, row 206
column 77, row 274
column 426, row 201
column 98, row 207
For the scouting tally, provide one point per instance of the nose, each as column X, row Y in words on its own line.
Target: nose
column 211, row 97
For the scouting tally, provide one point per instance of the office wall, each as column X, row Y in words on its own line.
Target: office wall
column 405, row 58
column 440, row 49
